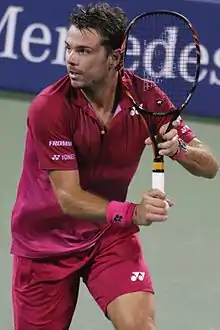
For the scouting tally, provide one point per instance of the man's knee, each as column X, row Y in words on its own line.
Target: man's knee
column 133, row 311
column 136, row 322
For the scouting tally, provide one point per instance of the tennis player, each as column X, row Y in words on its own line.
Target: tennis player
column 70, row 219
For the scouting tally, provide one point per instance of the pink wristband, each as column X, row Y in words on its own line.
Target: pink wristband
column 179, row 155
column 120, row 212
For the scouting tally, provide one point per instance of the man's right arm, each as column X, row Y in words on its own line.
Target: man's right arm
column 75, row 201
column 81, row 204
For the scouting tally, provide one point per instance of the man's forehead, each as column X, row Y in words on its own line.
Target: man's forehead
column 87, row 37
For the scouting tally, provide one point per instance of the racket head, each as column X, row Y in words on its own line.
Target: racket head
column 166, row 49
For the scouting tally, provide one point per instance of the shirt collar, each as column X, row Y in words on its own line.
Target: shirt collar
column 78, row 99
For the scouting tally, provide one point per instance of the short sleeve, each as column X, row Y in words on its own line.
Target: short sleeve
column 160, row 102
column 50, row 127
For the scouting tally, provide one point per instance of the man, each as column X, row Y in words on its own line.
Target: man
column 70, row 219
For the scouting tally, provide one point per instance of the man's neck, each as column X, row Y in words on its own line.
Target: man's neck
column 102, row 96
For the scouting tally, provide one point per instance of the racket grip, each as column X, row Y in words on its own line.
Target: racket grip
column 158, row 181
column 158, row 178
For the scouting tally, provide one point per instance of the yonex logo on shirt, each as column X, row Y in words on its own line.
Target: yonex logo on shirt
column 133, row 111
column 55, row 157
column 63, row 157
column 68, row 157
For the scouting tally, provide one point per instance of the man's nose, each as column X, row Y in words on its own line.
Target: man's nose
column 73, row 58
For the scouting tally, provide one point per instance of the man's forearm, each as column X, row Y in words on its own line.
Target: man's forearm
column 83, row 205
column 199, row 161
column 89, row 207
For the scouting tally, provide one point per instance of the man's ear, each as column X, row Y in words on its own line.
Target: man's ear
column 116, row 58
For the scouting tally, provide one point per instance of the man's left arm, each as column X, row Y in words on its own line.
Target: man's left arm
column 183, row 146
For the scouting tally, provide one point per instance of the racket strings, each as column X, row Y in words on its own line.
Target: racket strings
column 161, row 48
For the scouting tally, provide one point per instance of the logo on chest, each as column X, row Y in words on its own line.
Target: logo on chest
column 134, row 112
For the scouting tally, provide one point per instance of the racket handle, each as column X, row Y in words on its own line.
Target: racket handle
column 158, row 181
column 158, row 178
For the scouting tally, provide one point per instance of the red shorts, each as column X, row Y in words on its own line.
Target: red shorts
column 45, row 291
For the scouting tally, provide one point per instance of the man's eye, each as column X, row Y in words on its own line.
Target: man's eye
column 84, row 51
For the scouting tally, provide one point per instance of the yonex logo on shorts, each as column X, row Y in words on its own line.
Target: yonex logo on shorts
column 137, row 276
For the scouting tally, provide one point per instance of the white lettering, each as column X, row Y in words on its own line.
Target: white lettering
column 28, row 39
column 168, row 42
column 134, row 51
column 204, row 61
column 9, row 21
column 185, row 60
column 68, row 157
column 60, row 54
column 184, row 129
column 214, row 80
column 37, row 46
column 60, row 143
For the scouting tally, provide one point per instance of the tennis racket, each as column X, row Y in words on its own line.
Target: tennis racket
column 162, row 47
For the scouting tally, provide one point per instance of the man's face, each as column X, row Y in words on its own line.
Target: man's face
column 86, row 59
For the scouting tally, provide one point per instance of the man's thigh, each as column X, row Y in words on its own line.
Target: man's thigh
column 119, row 269
column 44, row 294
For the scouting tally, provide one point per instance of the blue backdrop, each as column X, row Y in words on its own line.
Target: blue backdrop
column 32, row 44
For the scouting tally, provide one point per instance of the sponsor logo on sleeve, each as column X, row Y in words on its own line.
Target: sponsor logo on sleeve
column 60, row 143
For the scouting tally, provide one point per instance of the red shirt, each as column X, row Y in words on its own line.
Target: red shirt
column 64, row 134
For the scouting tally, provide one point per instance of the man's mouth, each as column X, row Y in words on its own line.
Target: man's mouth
column 75, row 72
